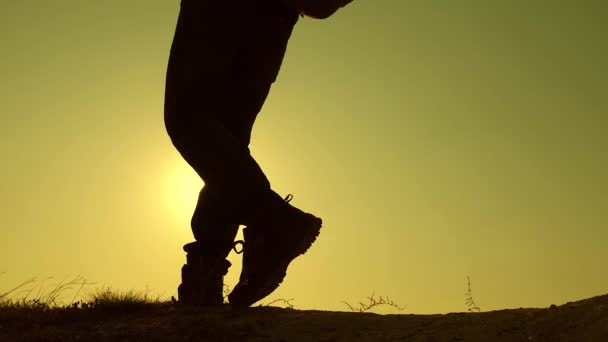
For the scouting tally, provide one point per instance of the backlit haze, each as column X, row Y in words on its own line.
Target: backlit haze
column 436, row 140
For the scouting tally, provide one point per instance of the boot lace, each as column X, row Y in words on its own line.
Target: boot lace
column 238, row 243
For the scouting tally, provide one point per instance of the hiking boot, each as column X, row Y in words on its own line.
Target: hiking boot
column 202, row 278
column 269, row 248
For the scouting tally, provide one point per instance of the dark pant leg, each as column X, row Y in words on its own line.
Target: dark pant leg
column 197, row 94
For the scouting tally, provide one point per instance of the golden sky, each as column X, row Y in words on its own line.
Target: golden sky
column 436, row 140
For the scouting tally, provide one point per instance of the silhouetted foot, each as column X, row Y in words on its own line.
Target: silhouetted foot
column 269, row 249
column 202, row 278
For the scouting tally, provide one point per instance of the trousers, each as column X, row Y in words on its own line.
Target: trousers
column 223, row 60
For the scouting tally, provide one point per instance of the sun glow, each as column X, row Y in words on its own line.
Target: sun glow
column 182, row 188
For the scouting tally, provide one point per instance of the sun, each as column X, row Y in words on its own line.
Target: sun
column 182, row 188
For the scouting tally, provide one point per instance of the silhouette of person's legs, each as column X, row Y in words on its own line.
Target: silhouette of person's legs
column 217, row 81
column 224, row 58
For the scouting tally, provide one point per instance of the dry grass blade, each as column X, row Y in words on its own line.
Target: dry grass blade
column 52, row 297
column 4, row 296
column 37, row 296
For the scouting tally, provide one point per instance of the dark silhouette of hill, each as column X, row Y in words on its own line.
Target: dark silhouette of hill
column 585, row 320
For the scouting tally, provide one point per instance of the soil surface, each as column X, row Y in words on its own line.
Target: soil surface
column 585, row 320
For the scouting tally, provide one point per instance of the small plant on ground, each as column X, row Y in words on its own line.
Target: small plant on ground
column 37, row 296
column 468, row 296
column 372, row 303
column 106, row 298
column 286, row 303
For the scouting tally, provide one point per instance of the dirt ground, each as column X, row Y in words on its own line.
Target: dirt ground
column 585, row 320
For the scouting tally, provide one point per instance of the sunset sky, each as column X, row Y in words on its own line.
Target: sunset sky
column 436, row 139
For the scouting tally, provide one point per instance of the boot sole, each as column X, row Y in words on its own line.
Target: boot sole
column 275, row 278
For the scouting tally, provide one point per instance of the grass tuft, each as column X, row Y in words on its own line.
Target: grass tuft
column 35, row 296
column 107, row 299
